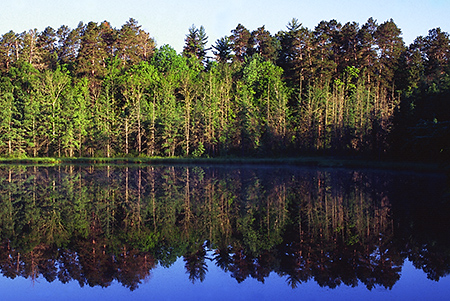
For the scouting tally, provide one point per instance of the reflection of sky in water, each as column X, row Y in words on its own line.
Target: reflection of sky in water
column 173, row 284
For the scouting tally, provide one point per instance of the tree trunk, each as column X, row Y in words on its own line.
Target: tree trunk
column 126, row 136
column 152, row 147
column 268, row 105
column 139, row 139
column 187, row 122
column 80, row 145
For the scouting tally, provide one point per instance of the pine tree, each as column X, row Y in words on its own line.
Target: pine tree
column 347, row 46
column 325, row 48
column 9, row 50
column 195, row 44
column 295, row 55
column 263, row 44
column 30, row 52
column 109, row 37
column 414, row 65
column 390, row 47
column 68, row 44
column 91, row 59
column 435, row 50
column 222, row 50
column 47, row 43
column 241, row 42
column 133, row 44
column 366, row 49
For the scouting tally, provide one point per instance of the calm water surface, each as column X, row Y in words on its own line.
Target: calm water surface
column 223, row 233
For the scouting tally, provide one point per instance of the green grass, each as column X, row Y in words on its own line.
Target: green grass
column 45, row 160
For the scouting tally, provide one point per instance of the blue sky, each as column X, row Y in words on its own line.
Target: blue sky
column 168, row 21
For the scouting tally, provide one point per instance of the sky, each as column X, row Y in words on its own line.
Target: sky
column 168, row 21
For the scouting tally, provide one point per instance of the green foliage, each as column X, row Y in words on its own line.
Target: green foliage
column 100, row 91
column 222, row 50
column 199, row 151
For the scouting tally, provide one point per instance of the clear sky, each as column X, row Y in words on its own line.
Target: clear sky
column 168, row 21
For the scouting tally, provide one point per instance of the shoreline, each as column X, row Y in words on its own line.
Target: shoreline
column 307, row 161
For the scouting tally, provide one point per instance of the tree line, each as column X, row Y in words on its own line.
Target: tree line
column 336, row 89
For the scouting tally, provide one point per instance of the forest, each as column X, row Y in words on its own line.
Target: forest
column 337, row 89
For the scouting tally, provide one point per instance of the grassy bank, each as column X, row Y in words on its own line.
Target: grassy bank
column 313, row 161
column 39, row 161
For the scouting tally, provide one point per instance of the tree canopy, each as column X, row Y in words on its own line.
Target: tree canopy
column 338, row 88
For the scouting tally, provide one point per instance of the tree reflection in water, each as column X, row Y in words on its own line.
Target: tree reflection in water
column 96, row 225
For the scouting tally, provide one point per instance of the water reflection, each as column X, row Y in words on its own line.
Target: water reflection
column 96, row 225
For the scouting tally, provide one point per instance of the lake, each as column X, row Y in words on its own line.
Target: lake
column 223, row 232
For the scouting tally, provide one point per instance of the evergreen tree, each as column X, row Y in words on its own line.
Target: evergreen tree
column 366, row 49
column 435, row 49
column 195, row 43
column 99, row 91
column 30, row 52
column 68, row 43
column 109, row 36
column 295, row 55
column 241, row 42
column 47, row 43
column 9, row 50
column 134, row 45
column 390, row 47
column 263, row 44
column 222, row 50
column 347, row 46
column 325, row 48
column 414, row 65
column 91, row 59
